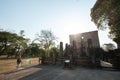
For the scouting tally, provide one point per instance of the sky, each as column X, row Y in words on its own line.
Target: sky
column 62, row 17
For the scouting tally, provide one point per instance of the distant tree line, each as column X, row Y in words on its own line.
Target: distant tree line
column 12, row 44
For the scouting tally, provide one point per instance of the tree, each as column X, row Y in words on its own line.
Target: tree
column 54, row 54
column 35, row 51
column 47, row 40
column 10, row 41
column 22, row 33
column 107, row 13
column 4, row 38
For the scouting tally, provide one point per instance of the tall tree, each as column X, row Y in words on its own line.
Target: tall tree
column 22, row 33
column 47, row 40
column 5, row 38
column 11, row 40
column 107, row 13
column 35, row 51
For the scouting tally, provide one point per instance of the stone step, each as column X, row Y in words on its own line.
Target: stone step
column 83, row 61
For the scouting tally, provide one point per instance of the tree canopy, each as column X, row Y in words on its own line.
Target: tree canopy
column 10, row 42
column 107, row 13
column 47, row 40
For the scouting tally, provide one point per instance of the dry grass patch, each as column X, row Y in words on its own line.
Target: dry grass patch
column 7, row 65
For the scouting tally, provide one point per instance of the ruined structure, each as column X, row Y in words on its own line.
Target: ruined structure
column 82, row 43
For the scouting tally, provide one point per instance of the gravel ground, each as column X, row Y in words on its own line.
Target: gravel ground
column 56, row 72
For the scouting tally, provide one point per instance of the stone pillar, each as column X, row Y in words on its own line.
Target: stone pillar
column 66, row 50
column 61, row 49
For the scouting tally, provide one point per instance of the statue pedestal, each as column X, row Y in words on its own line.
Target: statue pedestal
column 67, row 64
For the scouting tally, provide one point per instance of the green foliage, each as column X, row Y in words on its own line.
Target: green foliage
column 27, row 53
column 107, row 13
column 47, row 41
column 10, row 41
column 35, row 51
column 54, row 52
column 115, row 31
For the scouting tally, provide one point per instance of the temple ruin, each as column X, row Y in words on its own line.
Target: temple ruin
column 82, row 43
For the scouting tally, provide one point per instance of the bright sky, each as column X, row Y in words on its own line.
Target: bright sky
column 62, row 17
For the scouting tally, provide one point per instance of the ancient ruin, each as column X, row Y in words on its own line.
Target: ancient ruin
column 82, row 43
